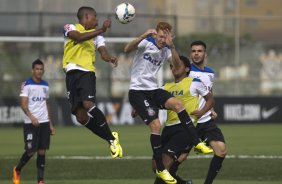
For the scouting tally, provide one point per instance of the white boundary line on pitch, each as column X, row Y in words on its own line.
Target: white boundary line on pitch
column 63, row 157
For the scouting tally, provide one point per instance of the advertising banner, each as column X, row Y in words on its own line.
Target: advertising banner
column 249, row 109
column 118, row 111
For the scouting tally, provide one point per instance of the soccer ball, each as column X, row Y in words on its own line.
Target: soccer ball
column 125, row 13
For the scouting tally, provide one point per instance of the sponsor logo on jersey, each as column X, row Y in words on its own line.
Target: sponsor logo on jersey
column 151, row 60
column 38, row 99
column 177, row 93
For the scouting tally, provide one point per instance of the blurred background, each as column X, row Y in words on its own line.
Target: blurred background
column 244, row 45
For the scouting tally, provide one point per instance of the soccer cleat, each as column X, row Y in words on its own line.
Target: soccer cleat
column 16, row 176
column 41, row 182
column 202, row 148
column 189, row 182
column 181, row 181
column 116, row 149
column 166, row 177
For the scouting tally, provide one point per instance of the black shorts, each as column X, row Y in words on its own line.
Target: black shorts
column 81, row 86
column 148, row 102
column 36, row 138
column 208, row 131
column 175, row 140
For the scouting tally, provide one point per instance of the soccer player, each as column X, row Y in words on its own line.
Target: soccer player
column 206, row 127
column 154, row 47
column 38, row 126
column 81, row 42
column 188, row 90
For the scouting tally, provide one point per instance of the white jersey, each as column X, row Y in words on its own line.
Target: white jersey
column 146, row 64
column 98, row 42
column 37, row 94
column 207, row 77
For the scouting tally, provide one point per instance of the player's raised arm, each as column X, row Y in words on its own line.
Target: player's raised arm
column 174, row 60
column 80, row 37
column 134, row 43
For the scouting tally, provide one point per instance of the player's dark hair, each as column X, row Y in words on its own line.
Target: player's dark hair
column 37, row 62
column 186, row 62
column 199, row 42
column 83, row 10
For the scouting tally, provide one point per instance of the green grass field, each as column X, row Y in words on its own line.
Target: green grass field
column 255, row 157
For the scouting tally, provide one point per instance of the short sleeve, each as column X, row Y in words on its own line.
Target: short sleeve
column 47, row 93
column 24, row 90
column 198, row 88
column 99, row 41
column 142, row 44
column 68, row 28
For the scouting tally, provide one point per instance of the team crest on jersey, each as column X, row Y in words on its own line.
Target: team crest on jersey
column 151, row 111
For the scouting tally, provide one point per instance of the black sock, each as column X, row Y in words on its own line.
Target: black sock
column 40, row 163
column 98, row 125
column 174, row 167
column 173, row 171
column 157, row 151
column 24, row 159
column 159, row 181
column 188, row 125
column 214, row 168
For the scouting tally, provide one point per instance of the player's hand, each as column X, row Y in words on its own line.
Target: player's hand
column 149, row 32
column 134, row 113
column 169, row 38
column 52, row 128
column 34, row 121
column 113, row 60
column 213, row 114
column 106, row 25
column 197, row 113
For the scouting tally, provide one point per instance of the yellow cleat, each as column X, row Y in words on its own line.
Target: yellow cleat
column 116, row 149
column 16, row 176
column 166, row 177
column 202, row 148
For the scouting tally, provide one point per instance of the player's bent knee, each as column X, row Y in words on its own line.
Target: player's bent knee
column 30, row 153
column 220, row 149
column 175, row 104
column 88, row 105
column 81, row 116
column 82, row 120
column 41, row 152
column 155, row 126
